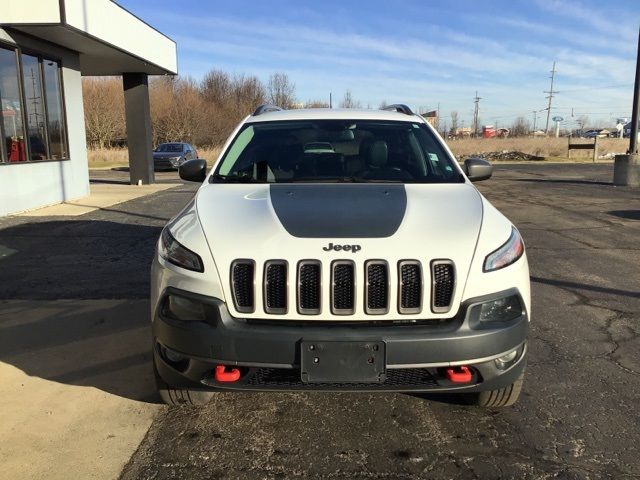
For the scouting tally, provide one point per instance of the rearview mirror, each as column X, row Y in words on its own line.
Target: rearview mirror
column 477, row 169
column 193, row 170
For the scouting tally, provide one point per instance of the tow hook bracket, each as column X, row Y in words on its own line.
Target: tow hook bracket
column 223, row 375
column 460, row 374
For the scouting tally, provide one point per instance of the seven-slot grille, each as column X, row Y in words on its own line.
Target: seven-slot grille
column 443, row 284
column 343, row 286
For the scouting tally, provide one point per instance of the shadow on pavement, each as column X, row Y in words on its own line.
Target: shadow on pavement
column 583, row 286
column 74, row 303
column 105, row 344
column 110, row 182
column 575, row 182
column 79, row 259
column 626, row 214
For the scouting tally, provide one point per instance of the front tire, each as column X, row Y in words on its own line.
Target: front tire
column 180, row 396
column 502, row 397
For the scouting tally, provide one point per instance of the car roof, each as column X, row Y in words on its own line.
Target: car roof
column 332, row 114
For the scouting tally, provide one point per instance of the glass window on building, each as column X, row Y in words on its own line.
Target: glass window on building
column 12, row 124
column 55, row 116
column 36, row 116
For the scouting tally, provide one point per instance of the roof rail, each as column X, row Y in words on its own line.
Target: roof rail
column 266, row 108
column 398, row 107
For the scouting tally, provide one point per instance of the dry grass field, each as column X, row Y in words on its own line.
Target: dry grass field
column 554, row 149
column 118, row 157
column 550, row 148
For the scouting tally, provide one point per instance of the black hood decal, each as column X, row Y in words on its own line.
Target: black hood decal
column 339, row 210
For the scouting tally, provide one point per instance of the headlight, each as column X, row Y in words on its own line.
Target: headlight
column 175, row 253
column 506, row 254
column 501, row 309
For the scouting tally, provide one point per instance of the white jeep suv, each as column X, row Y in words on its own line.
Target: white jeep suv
column 339, row 250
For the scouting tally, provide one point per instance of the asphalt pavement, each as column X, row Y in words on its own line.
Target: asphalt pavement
column 578, row 416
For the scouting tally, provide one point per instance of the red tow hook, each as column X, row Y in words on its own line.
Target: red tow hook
column 460, row 374
column 224, row 375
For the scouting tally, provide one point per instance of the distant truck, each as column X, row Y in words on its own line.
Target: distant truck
column 489, row 131
column 626, row 131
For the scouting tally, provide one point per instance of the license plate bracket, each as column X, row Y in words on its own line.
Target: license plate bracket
column 342, row 362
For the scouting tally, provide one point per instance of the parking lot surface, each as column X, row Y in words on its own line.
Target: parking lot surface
column 577, row 417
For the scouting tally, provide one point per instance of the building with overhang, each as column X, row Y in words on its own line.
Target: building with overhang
column 46, row 46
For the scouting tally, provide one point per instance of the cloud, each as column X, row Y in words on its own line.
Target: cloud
column 430, row 64
column 585, row 17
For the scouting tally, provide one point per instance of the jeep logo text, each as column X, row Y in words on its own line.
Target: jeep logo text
column 345, row 248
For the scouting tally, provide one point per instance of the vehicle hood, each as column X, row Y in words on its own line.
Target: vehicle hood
column 392, row 222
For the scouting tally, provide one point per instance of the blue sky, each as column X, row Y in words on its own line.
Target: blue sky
column 419, row 52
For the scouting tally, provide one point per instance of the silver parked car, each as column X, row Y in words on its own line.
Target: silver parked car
column 169, row 156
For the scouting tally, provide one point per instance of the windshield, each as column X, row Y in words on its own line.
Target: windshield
column 336, row 151
column 170, row 147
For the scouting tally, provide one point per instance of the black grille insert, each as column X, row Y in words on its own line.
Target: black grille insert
column 242, row 285
column 275, row 287
column 443, row 285
column 277, row 378
column 410, row 286
column 343, row 288
column 376, row 287
column 309, row 287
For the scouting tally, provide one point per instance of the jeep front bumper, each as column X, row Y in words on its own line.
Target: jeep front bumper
column 268, row 353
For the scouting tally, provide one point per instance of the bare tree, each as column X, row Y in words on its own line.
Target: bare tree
column 176, row 110
column 103, row 110
column 281, row 91
column 248, row 93
column 216, row 87
column 454, row 122
column 349, row 102
column 383, row 104
column 520, row 127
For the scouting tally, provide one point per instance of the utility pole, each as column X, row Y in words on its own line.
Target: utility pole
column 535, row 119
column 330, row 101
column 476, row 111
column 550, row 96
column 626, row 169
column 635, row 112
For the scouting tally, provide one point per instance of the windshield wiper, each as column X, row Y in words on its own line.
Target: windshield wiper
column 216, row 177
column 374, row 180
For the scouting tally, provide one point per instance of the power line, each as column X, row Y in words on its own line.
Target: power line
column 550, row 97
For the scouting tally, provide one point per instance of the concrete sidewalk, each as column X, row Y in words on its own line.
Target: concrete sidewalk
column 102, row 195
column 76, row 387
column 77, row 392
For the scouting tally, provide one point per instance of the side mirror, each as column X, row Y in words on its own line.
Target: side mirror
column 477, row 169
column 193, row 170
